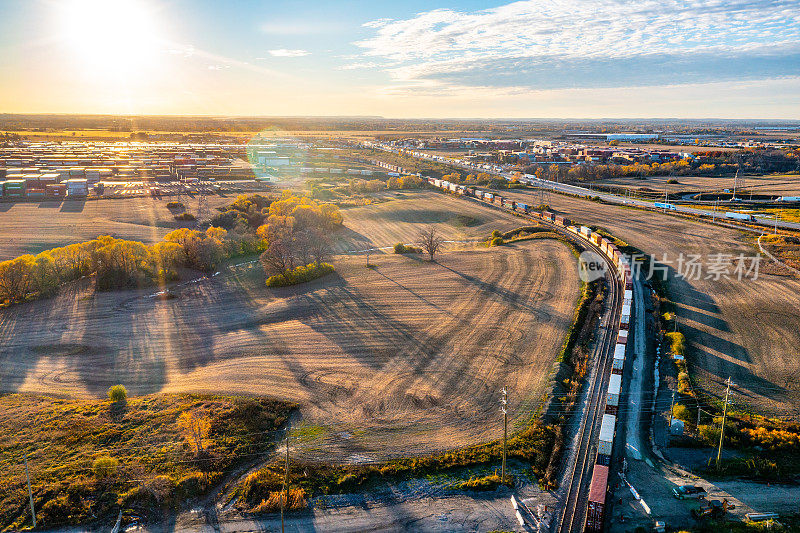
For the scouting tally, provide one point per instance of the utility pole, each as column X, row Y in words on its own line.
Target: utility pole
column 724, row 415
column 285, row 500
column 504, row 403
column 30, row 493
column 671, row 409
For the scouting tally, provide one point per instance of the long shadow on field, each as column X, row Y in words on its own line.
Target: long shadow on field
column 709, row 334
column 6, row 206
column 747, row 384
column 509, row 297
column 348, row 240
column 73, row 206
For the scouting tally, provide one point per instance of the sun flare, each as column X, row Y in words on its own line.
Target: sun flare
column 113, row 37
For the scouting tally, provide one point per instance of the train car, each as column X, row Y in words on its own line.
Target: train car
column 612, row 394
column 470, row 191
column 625, row 317
column 522, row 208
column 488, row 196
column 586, row 231
column 573, row 229
column 498, row 199
column 453, row 187
column 606, row 439
column 437, row 182
column 618, row 365
column 547, row 215
column 432, row 181
column 596, row 238
column 597, row 499
column 628, row 281
column 740, row 216
column 562, row 221
column 622, row 337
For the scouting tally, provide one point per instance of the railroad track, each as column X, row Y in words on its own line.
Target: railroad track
column 573, row 516
column 579, row 473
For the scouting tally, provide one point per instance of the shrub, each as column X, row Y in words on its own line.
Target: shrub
column 490, row 482
column 401, row 248
column 105, row 467
column 681, row 412
column 118, row 393
column 496, row 233
column 497, row 241
column 175, row 205
column 296, row 500
column 185, row 217
column 300, row 274
column 672, row 181
column 677, row 343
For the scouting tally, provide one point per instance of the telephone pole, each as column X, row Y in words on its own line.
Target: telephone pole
column 724, row 415
column 504, row 403
column 30, row 493
column 285, row 500
column 671, row 410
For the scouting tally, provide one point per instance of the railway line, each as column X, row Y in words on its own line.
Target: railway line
column 586, row 475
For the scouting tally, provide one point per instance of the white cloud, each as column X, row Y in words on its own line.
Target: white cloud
column 283, row 52
column 444, row 43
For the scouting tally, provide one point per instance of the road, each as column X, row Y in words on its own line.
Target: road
column 569, row 189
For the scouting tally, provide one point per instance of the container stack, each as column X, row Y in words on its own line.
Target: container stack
column 55, row 190
column 77, row 187
column 15, row 188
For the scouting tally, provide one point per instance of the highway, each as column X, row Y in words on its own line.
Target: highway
column 572, row 189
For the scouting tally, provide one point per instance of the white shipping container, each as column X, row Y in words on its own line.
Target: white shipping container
column 607, row 428
column 614, row 385
column 618, row 363
column 628, row 294
column 619, row 349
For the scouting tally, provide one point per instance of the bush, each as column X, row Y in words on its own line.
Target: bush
column 490, row 482
column 300, row 274
column 401, row 248
column 118, row 393
column 496, row 233
column 185, row 217
column 681, row 412
column 105, row 467
column 297, row 500
column 175, row 205
column 497, row 241
column 677, row 343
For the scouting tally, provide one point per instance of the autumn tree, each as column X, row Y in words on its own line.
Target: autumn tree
column 195, row 427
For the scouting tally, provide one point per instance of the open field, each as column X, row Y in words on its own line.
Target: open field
column 30, row 227
column 408, row 357
column 748, row 329
column 779, row 184
column 408, row 212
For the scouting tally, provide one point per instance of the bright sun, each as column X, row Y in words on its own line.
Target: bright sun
column 110, row 37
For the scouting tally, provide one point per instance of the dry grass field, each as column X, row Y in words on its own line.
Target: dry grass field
column 749, row 330
column 781, row 184
column 404, row 358
column 407, row 212
column 30, row 227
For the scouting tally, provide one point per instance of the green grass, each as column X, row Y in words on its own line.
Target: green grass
column 152, row 465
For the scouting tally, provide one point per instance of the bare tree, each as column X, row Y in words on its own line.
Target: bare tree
column 430, row 241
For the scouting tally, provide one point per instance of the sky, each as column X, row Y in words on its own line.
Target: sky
column 404, row 59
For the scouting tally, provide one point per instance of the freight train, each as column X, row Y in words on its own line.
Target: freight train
column 599, row 486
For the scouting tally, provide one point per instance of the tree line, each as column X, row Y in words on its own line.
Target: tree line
column 291, row 231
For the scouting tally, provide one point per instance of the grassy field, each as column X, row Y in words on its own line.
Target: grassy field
column 778, row 184
column 748, row 329
column 150, row 460
column 405, row 357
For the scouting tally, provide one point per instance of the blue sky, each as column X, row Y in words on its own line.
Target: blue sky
column 538, row 58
